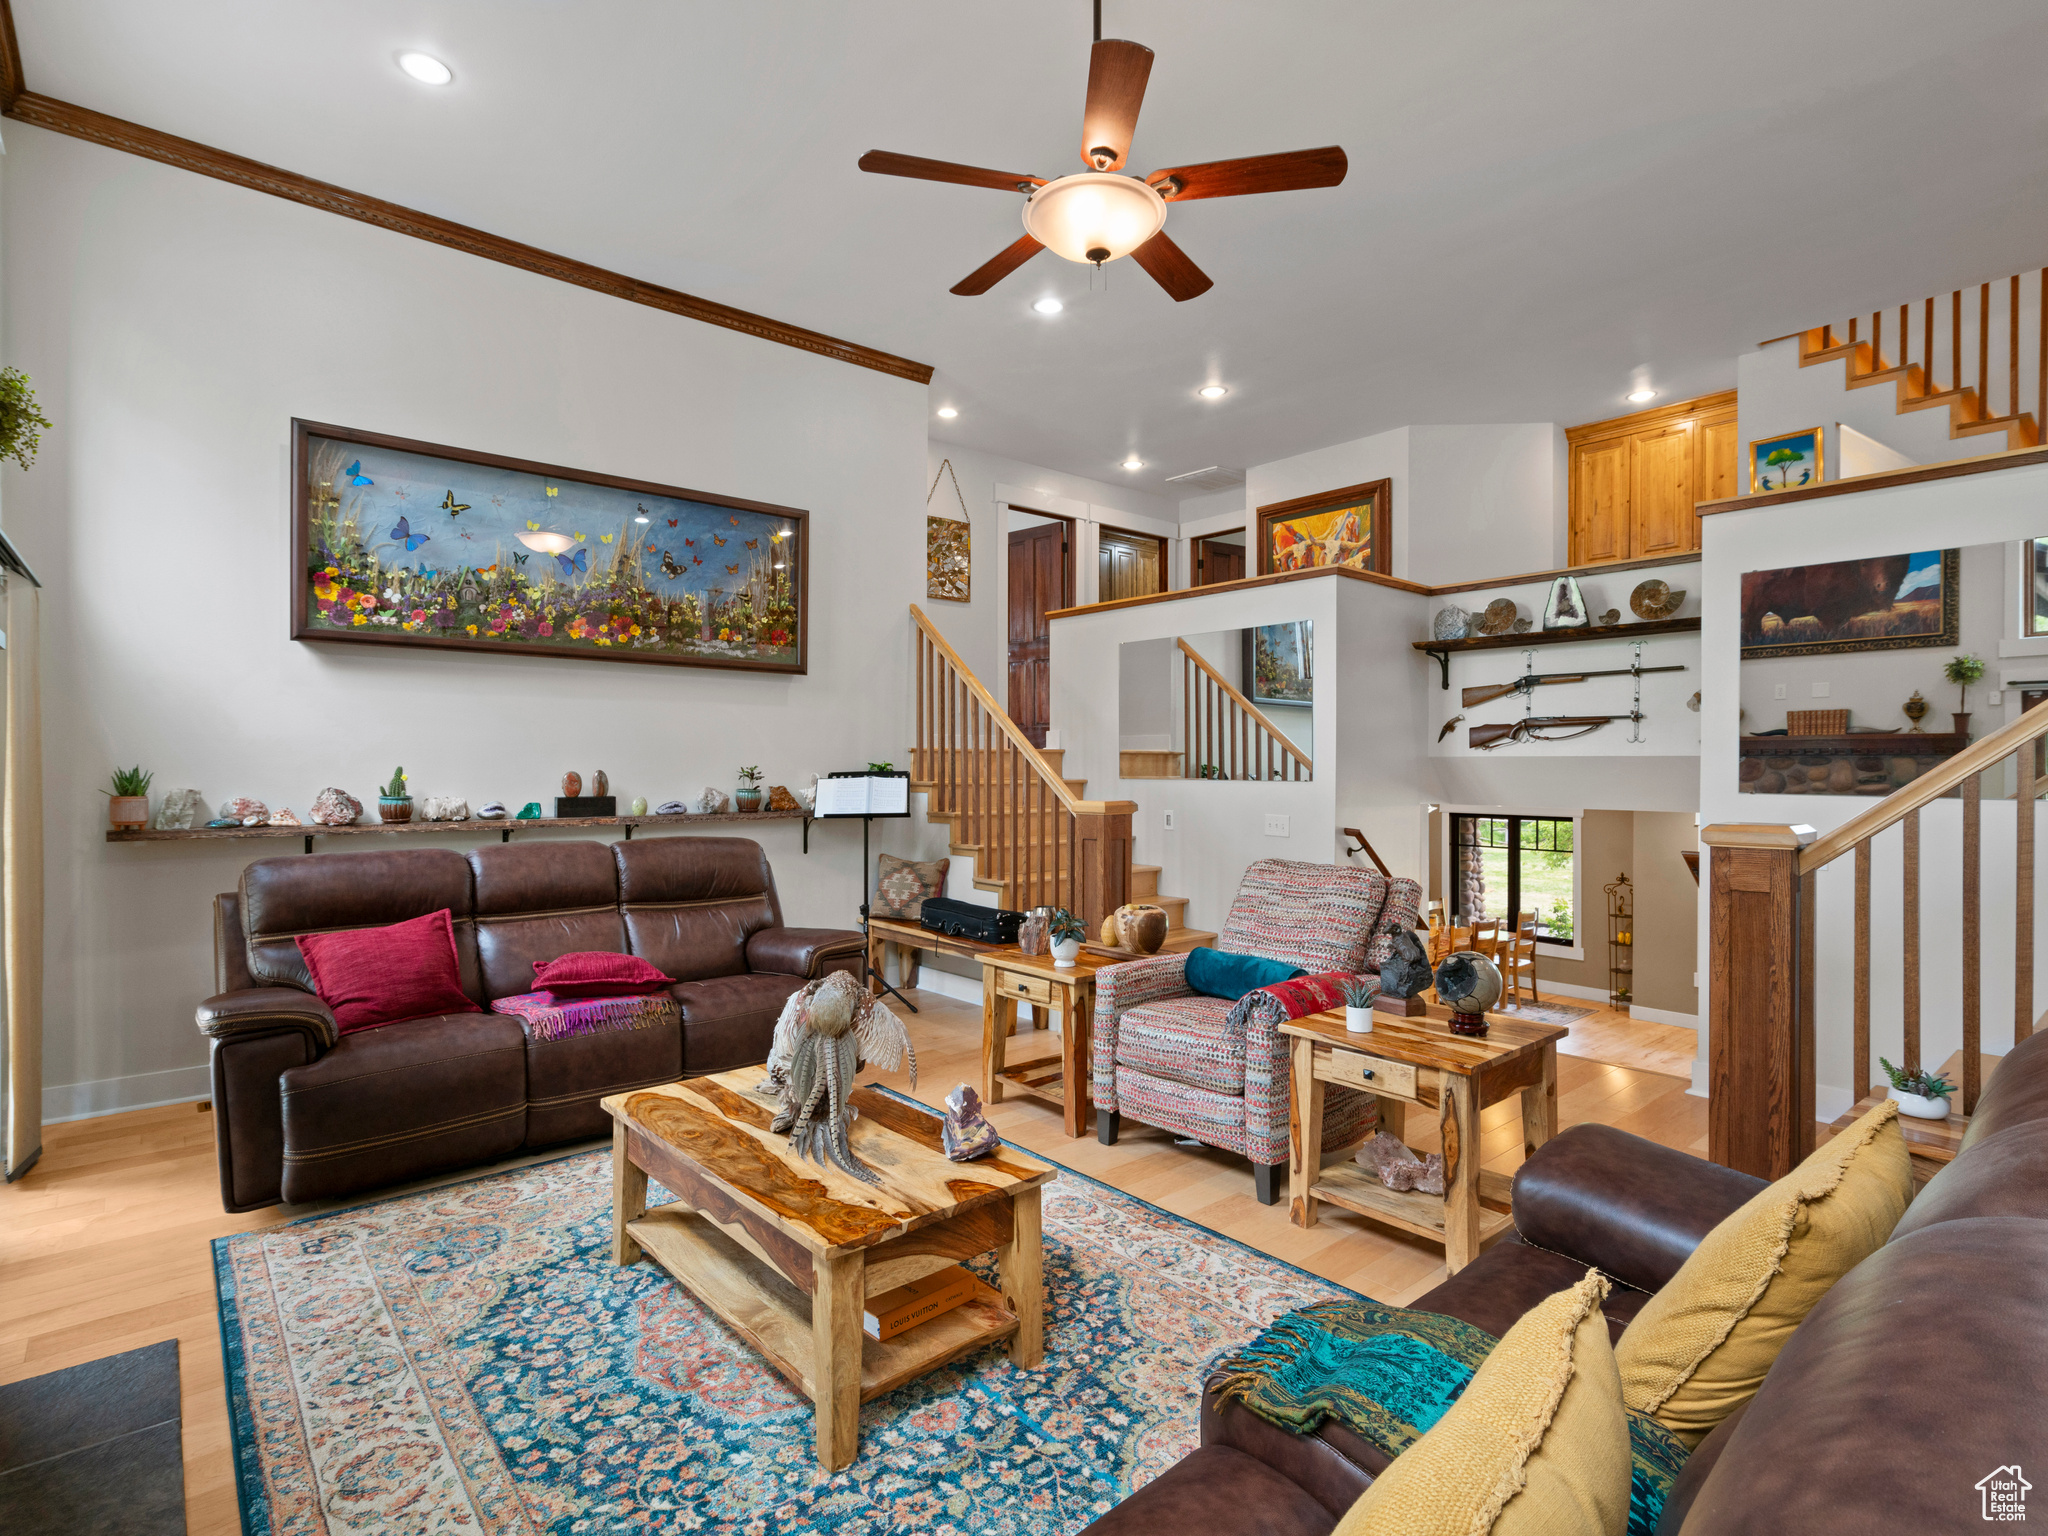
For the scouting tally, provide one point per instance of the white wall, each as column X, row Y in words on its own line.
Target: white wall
column 1467, row 501
column 174, row 325
column 1982, row 509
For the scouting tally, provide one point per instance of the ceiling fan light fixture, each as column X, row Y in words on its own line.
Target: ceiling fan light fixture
column 1094, row 217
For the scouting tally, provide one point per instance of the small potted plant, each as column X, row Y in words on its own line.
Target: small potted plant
column 394, row 802
column 1067, row 932
column 1921, row 1094
column 128, row 801
column 1358, row 995
column 21, row 424
column 748, row 796
column 1963, row 671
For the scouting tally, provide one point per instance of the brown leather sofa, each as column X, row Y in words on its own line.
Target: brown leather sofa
column 1917, row 1375
column 303, row 1112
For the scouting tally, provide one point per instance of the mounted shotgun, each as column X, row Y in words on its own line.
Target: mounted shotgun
column 1534, row 680
column 1536, row 727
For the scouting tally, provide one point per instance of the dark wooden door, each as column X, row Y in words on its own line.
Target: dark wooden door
column 1216, row 562
column 1038, row 584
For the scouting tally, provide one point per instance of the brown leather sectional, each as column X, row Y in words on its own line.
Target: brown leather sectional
column 303, row 1112
column 1918, row 1374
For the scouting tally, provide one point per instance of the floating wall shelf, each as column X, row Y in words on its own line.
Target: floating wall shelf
column 1440, row 650
column 474, row 825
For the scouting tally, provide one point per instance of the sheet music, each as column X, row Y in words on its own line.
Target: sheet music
column 864, row 795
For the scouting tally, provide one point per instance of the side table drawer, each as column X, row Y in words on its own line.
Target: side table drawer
column 1026, row 989
column 1375, row 1074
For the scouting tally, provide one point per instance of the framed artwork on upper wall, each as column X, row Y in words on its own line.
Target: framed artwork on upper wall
column 404, row 543
column 1348, row 526
column 948, row 560
column 1786, row 462
column 1888, row 603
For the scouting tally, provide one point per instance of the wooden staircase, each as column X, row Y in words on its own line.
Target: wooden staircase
column 1970, row 409
column 1035, row 837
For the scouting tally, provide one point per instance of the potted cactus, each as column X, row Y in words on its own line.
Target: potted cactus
column 748, row 796
column 128, row 800
column 1358, row 996
column 1067, row 932
column 1922, row 1095
column 394, row 801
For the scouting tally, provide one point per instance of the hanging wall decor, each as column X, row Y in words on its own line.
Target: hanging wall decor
column 1786, row 462
column 1343, row 527
column 948, row 547
column 396, row 542
column 1887, row 603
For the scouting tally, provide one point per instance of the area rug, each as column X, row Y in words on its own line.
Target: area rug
column 1547, row 1013
column 469, row 1360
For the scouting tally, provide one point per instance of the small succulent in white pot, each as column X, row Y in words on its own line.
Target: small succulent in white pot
column 1921, row 1094
column 1358, row 995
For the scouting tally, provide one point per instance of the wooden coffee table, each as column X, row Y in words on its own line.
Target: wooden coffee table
column 1419, row 1061
column 787, row 1251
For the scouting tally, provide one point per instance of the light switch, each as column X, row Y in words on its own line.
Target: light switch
column 1994, row 697
column 1778, row 692
column 1276, row 826
column 1820, row 690
column 1169, row 821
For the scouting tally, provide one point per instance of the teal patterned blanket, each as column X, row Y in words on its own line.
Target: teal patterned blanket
column 1388, row 1374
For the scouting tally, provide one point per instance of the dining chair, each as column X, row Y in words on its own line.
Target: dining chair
column 1519, row 970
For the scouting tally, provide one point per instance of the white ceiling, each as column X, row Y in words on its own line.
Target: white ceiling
column 1545, row 195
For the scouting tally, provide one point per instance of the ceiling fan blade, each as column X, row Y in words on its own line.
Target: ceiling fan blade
column 1117, row 72
column 885, row 163
column 1290, row 172
column 993, row 271
column 1171, row 269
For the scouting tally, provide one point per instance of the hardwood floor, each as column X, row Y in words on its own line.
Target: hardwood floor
column 105, row 1245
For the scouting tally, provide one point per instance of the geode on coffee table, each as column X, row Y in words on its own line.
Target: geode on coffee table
column 966, row 1131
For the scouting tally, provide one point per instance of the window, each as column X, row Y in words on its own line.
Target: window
column 2036, row 606
column 1503, row 865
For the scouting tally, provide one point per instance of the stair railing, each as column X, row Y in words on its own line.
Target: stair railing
column 1028, row 830
column 1762, row 966
column 1965, row 337
column 1223, row 734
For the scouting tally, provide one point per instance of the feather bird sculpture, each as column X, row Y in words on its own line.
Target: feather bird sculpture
column 828, row 1028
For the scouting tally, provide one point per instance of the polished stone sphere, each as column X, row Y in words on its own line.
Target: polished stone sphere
column 1467, row 982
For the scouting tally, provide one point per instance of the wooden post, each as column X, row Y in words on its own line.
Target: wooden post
column 1760, row 1084
column 1102, row 859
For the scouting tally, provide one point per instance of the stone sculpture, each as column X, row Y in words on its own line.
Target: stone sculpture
column 572, row 784
column 284, row 818
column 638, row 807
column 780, row 799
column 1405, row 972
column 965, row 1132
column 444, row 808
column 1398, row 1167
column 248, row 811
column 600, row 783
column 827, row 1029
column 182, row 810
column 1140, row 926
column 712, row 802
column 491, row 810
column 671, row 808
column 336, row 808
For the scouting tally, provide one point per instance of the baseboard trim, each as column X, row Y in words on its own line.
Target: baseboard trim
column 112, row 1095
column 1570, row 989
column 1664, row 1016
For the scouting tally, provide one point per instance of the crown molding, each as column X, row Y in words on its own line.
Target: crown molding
column 23, row 105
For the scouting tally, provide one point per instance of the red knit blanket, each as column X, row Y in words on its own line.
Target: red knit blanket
column 1297, row 996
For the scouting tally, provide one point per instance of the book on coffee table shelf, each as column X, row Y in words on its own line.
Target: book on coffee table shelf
column 920, row 1301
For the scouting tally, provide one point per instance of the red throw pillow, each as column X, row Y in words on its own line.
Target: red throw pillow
column 598, row 973
column 372, row 976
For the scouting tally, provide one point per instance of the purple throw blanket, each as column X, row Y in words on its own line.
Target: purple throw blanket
column 548, row 1017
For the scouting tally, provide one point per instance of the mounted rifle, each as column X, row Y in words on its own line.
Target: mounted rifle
column 1535, row 680
column 1539, row 727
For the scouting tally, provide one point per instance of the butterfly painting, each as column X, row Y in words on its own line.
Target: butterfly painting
column 410, row 545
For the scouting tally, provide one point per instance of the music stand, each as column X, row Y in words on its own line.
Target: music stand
column 868, row 796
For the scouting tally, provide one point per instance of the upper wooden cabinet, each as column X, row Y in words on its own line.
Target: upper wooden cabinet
column 1635, row 478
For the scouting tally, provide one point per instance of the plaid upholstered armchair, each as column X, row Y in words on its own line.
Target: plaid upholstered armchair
column 1217, row 1071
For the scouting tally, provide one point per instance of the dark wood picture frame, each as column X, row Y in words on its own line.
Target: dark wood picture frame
column 304, row 600
column 1376, row 497
column 1830, row 592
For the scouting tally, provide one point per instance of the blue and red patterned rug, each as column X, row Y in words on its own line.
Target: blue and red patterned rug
column 468, row 1360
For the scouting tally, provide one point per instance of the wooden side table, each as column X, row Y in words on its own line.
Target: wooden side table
column 1009, row 977
column 1420, row 1062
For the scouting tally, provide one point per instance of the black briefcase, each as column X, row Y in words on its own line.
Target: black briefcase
column 967, row 920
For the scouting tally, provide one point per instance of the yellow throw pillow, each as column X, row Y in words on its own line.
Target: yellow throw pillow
column 1536, row 1446
column 1700, row 1347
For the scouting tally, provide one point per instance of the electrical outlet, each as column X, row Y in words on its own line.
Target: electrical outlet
column 1820, row 690
column 1276, row 826
column 1169, row 821
column 1778, row 692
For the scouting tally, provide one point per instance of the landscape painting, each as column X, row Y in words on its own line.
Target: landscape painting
column 1283, row 666
column 1785, row 463
column 397, row 542
column 1892, row 602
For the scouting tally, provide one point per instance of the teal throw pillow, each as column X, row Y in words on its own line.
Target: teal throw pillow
column 1219, row 973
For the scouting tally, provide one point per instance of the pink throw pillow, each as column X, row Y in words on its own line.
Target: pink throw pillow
column 598, row 973
column 373, row 976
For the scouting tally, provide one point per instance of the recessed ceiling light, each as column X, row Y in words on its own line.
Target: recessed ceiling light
column 1134, row 462
column 1212, row 391
column 1641, row 396
column 947, row 413
column 1048, row 306
column 425, row 68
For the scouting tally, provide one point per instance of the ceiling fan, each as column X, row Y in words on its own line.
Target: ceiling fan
column 1097, row 215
